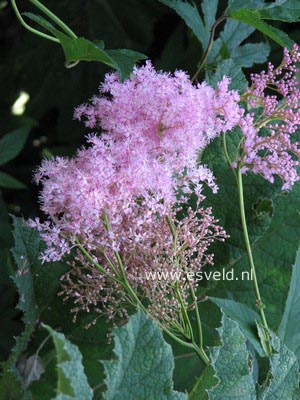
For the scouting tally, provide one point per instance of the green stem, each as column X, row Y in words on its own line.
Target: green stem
column 199, row 351
column 259, row 302
column 28, row 27
column 198, row 319
column 227, row 154
column 98, row 266
column 187, row 321
column 209, row 46
column 54, row 18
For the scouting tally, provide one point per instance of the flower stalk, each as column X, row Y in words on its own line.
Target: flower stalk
column 259, row 303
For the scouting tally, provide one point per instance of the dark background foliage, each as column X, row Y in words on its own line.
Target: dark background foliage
column 31, row 64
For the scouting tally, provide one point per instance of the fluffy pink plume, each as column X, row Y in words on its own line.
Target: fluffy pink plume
column 146, row 159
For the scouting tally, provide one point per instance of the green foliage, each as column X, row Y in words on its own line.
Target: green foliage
column 26, row 251
column 10, row 147
column 284, row 383
column 12, row 143
column 233, row 368
column 72, row 381
column 11, row 384
column 32, row 278
column 233, row 71
column 274, row 238
column 280, row 10
column 81, row 49
column 7, row 181
column 235, row 32
column 256, row 19
column 206, row 381
column 190, row 14
column 244, row 316
column 247, row 54
column 236, row 380
column 289, row 329
column 144, row 365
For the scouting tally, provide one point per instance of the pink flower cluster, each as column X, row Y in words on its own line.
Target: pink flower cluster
column 114, row 197
column 153, row 127
column 158, row 124
column 270, row 147
column 146, row 249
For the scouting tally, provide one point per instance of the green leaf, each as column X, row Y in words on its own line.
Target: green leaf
column 11, row 384
column 231, row 38
column 232, row 364
column 206, row 381
column 238, row 4
column 209, row 8
column 231, row 70
column 191, row 16
column 284, row 383
column 244, row 316
column 81, row 49
column 9, row 182
column 51, row 309
column 124, row 60
column 12, row 143
column 233, row 368
column 251, row 53
column 72, row 381
column 289, row 329
column 26, row 250
column 274, row 234
column 255, row 19
column 282, row 10
column 233, row 35
column 144, row 365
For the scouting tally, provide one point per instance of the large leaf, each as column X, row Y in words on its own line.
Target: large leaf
column 12, row 386
column 284, row 383
column 244, row 316
column 144, row 365
column 81, row 49
column 26, row 250
column 206, row 381
column 232, row 365
column 281, row 10
column 255, row 19
column 12, row 143
column 246, row 55
column 72, row 381
column 230, row 39
column 233, row 368
column 231, row 70
column 190, row 14
column 274, row 232
column 32, row 278
column 289, row 329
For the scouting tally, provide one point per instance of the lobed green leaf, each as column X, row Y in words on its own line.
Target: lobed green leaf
column 144, row 365
column 72, row 381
